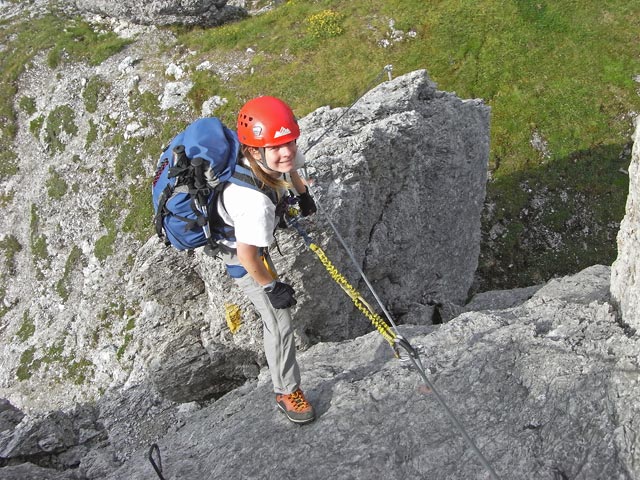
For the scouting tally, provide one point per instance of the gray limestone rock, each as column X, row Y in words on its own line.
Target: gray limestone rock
column 10, row 416
column 165, row 12
column 546, row 390
column 29, row 471
column 183, row 370
column 501, row 299
column 54, row 441
column 625, row 271
column 402, row 155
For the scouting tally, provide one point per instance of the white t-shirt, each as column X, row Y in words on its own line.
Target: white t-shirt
column 250, row 212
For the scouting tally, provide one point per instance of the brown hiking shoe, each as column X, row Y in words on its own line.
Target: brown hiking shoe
column 296, row 407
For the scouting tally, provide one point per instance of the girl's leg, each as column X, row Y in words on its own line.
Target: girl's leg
column 279, row 342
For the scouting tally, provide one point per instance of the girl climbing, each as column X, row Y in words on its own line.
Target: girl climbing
column 268, row 130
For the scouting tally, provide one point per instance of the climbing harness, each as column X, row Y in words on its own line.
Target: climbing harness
column 388, row 329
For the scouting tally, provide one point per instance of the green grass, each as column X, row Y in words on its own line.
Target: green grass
column 562, row 70
column 74, row 261
column 38, row 243
column 78, row 370
column 27, row 328
column 64, row 39
column 56, row 185
column 94, row 93
column 10, row 247
column 28, row 105
column 60, row 120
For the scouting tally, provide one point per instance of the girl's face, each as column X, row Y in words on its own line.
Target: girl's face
column 280, row 159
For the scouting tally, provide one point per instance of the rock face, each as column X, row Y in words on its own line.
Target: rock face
column 625, row 272
column 165, row 12
column 402, row 177
column 111, row 343
column 546, row 389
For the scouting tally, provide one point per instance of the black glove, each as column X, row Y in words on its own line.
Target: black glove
column 306, row 203
column 280, row 295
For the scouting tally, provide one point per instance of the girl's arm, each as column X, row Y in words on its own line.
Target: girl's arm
column 297, row 182
column 251, row 261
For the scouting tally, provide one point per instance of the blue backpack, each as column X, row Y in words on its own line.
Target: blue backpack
column 191, row 172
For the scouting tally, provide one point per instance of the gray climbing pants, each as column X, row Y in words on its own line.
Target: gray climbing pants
column 279, row 341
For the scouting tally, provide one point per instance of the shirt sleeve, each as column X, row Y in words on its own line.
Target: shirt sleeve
column 252, row 215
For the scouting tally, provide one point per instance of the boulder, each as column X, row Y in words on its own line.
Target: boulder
column 165, row 12
column 546, row 389
column 625, row 271
column 401, row 177
column 400, row 180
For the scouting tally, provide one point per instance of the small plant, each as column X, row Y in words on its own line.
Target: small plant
column 325, row 24
column 81, row 41
column 111, row 209
column 127, row 340
column 73, row 261
column 28, row 364
column 27, row 329
column 138, row 221
column 35, row 126
column 146, row 102
column 28, row 105
column 9, row 164
column 79, row 370
column 104, row 245
column 128, row 162
column 94, row 93
column 128, row 335
column 6, row 198
column 60, row 120
column 92, row 134
column 10, row 246
column 3, row 292
column 56, row 186
column 39, row 250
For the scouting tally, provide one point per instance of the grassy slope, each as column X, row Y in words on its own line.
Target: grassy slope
column 563, row 71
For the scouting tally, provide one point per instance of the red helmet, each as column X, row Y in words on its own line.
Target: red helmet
column 266, row 122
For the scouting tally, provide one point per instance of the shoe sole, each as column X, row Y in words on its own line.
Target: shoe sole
column 295, row 420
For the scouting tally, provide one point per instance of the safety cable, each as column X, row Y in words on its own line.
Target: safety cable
column 393, row 337
column 357, row 299
column 154, row 450
column 415, row 359
column 388, row 69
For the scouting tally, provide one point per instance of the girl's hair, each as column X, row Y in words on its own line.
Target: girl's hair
column 267, row 180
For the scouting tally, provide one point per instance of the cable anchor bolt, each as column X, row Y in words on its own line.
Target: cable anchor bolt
column 400, row 341
column 388, row 69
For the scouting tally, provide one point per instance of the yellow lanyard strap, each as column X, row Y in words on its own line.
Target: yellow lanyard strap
column 355, row 296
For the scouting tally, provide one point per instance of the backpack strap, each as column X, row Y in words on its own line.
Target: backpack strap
column 162, row 211
column 244, row 177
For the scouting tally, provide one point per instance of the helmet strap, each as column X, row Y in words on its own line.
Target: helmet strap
column 264, row 160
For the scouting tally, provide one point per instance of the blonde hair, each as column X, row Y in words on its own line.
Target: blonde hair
column 267, row 180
